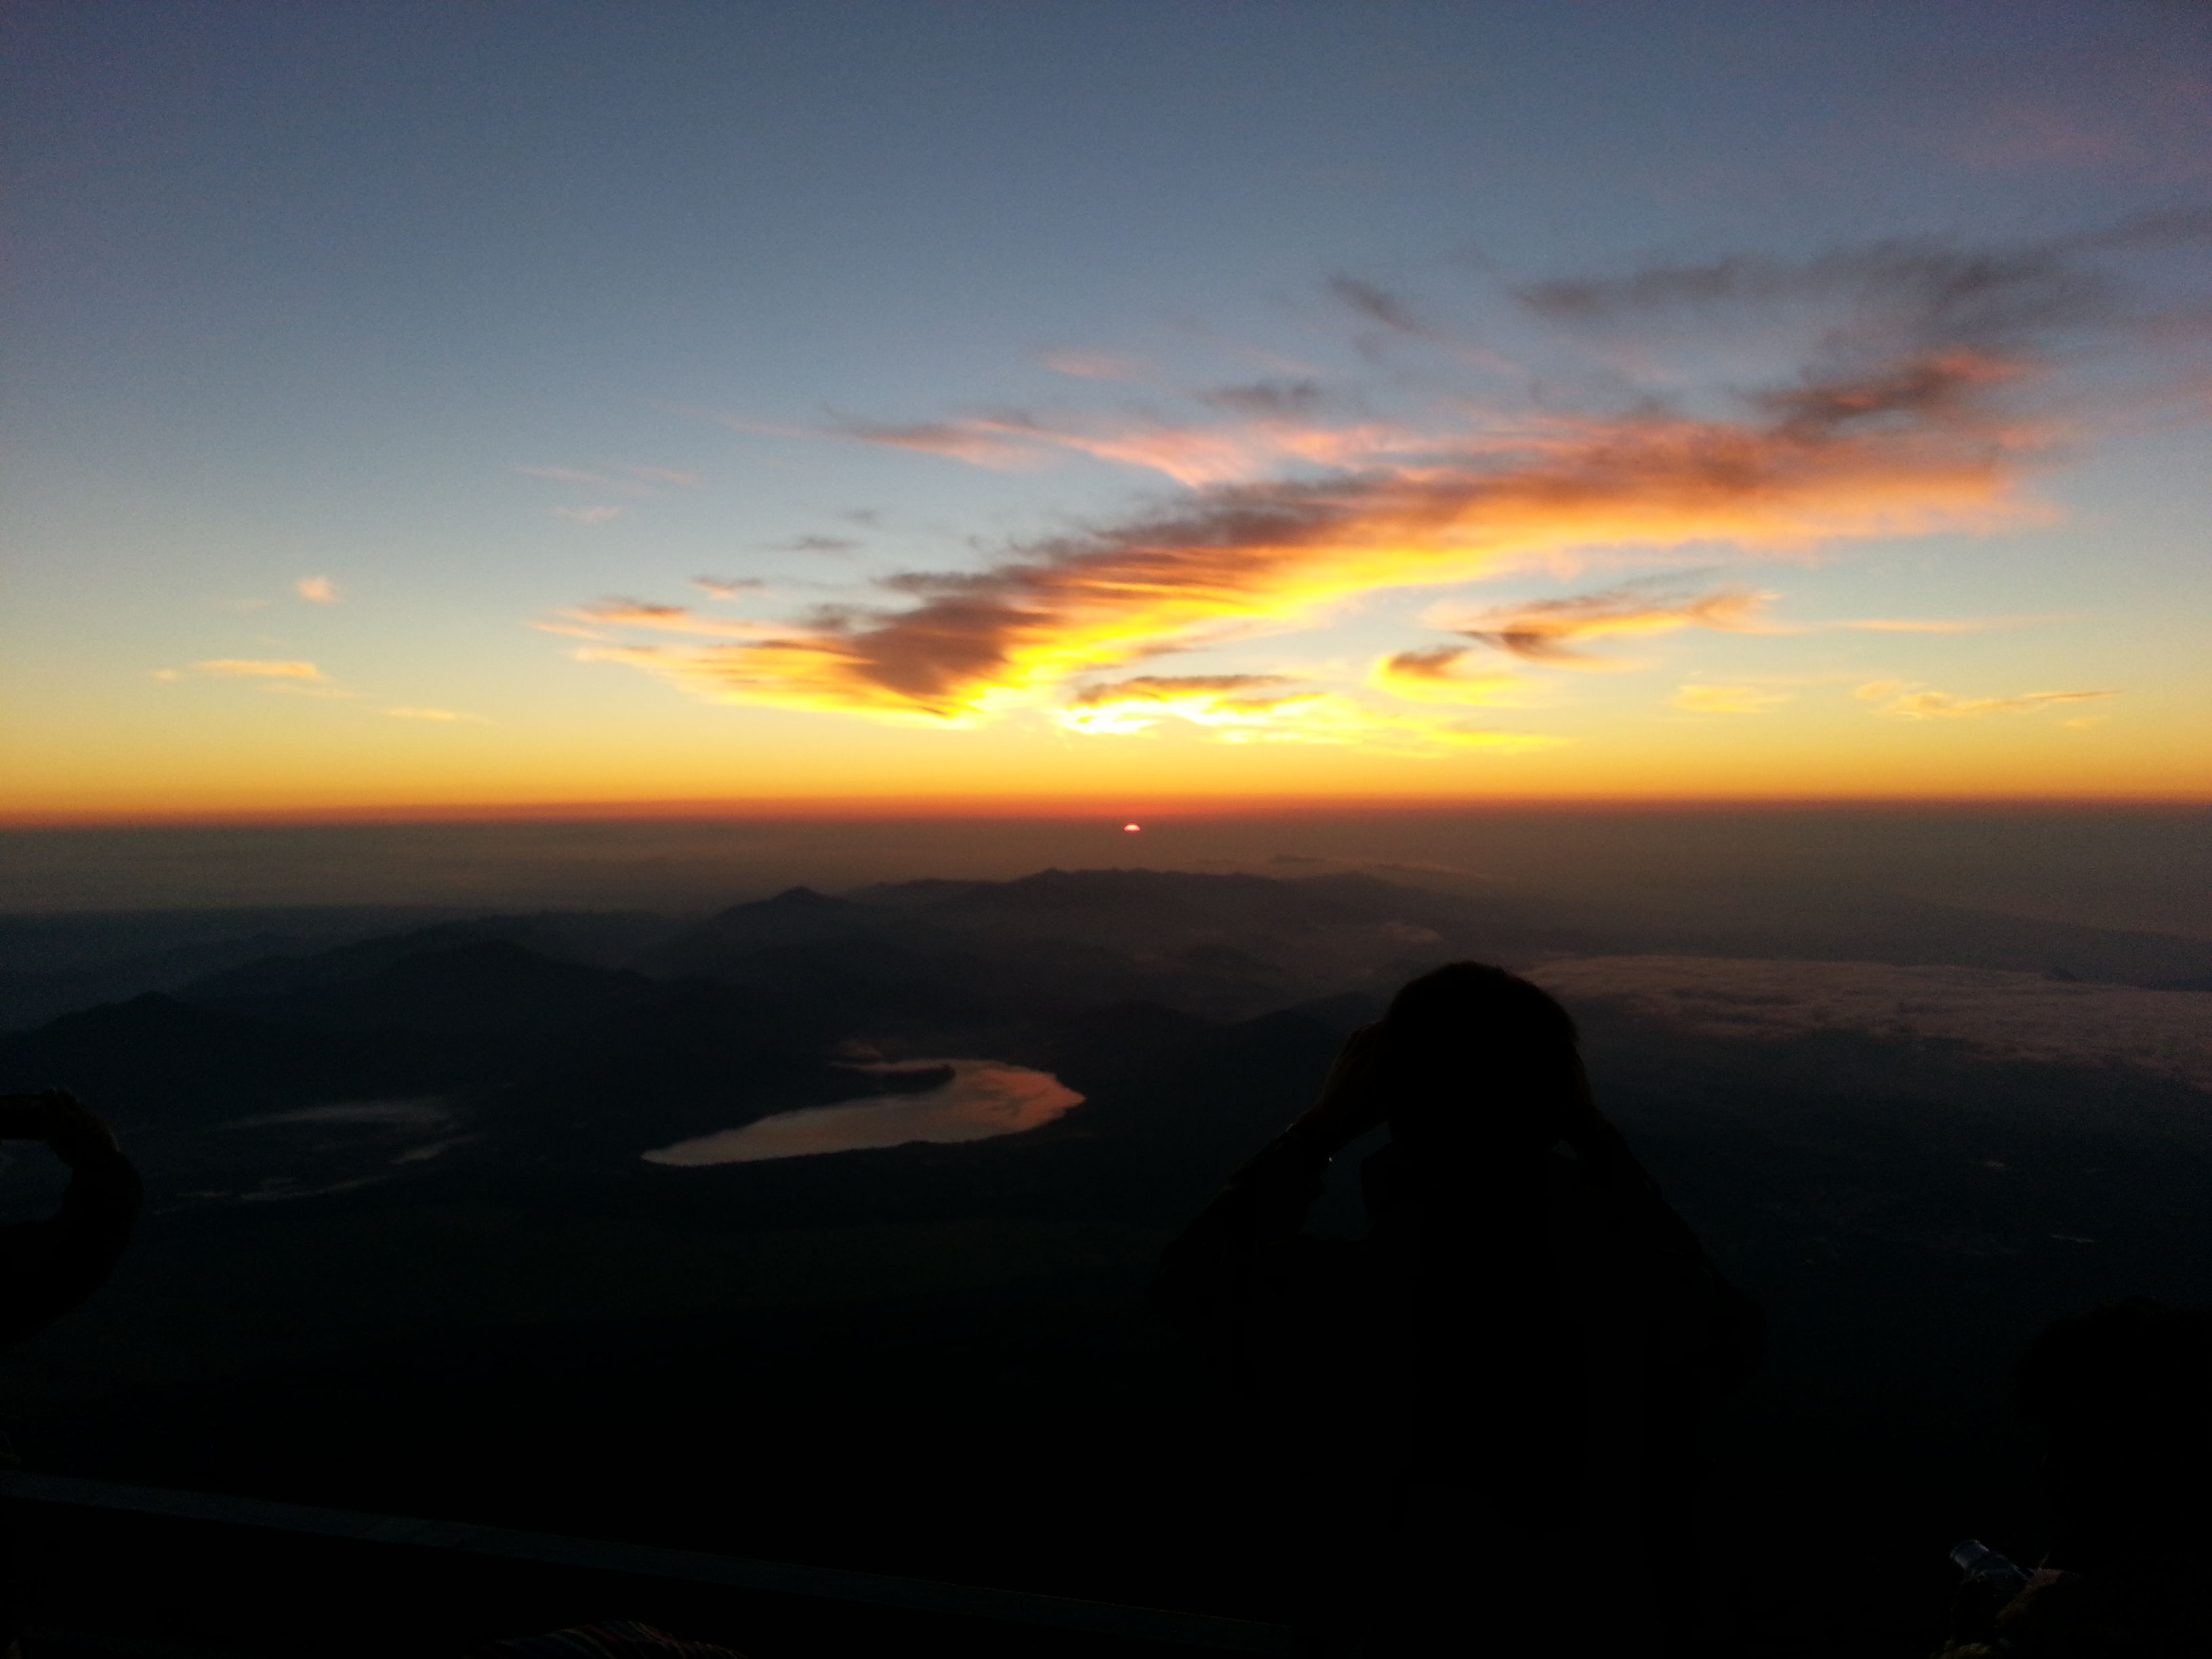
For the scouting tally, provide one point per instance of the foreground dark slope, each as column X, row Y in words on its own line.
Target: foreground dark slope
column 443, row 1281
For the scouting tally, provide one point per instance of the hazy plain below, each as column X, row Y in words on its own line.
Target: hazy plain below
column 2148, row 868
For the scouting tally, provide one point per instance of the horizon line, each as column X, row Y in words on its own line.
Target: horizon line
column 840, row 808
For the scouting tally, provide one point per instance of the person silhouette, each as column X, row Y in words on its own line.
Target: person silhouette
column 47, row 1268
column 1487, row 1409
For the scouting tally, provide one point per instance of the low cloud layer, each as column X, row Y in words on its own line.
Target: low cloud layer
column 1918, row 406
column 2002, row 1016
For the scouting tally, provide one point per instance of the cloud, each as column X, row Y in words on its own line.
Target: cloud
column 1376, row 305
column 592, row 620
column 1915, row 407
column 625, row 479
column 1727, row 699
column 1275, row 432
column 1093, row 365
column 590, row 514
column 1255, row 708
column 818, row 544
column 1548, row 630
column 238, row 668
column 1281, row 553
column 1001, row 445
column 1907, row 625
column 1431, row 676
column 1276, row 399
column 1925, row 295
column 727, row 587
column 317, row 590
column 2004, row 1015
column 441, row 715
column 1900, row 702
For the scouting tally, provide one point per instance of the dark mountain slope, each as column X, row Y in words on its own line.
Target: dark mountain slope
column 155, row 1056
column 799, row 915
column 493, row 988
column 592, row 940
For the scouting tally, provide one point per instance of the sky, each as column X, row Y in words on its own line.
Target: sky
column 423, row 407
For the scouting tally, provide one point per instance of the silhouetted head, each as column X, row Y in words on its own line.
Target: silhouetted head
column 2120, row 1393
column 1474, row 1058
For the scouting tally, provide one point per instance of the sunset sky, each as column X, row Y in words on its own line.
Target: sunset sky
column 426, row 405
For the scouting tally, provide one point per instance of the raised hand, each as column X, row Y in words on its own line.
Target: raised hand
column 1350, row 1102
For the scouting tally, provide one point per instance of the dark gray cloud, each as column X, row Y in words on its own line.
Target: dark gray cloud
column 1268, row 399
column 1375, row 305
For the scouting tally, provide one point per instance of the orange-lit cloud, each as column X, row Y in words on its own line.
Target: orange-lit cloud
column 1900, row 701
column 1548, row 631
column 1248, row 709
column 237, row 668
column 1433, row 676
column 440, row 715
column 593, row 622
column 1246, row 450
column 317, row 590
column 1912, row 412
column 1727, row 699
column 1282, row 553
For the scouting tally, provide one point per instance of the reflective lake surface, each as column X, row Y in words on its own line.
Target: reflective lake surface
column 982, row 1099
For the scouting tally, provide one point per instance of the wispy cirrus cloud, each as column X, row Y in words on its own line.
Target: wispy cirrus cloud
column 1900, row 700
column 1551, row 631
column 1915, row 625
column 589, row 515
column 1375, row 305
column 245, row 668
column 1917, row 405
column 440, row 716
column 727, row 587
column 629, row 480
column 1094, row 365
column 604, row 619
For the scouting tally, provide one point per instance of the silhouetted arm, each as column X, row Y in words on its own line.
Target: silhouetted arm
column 1240, row 1256
column 47, row 1268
